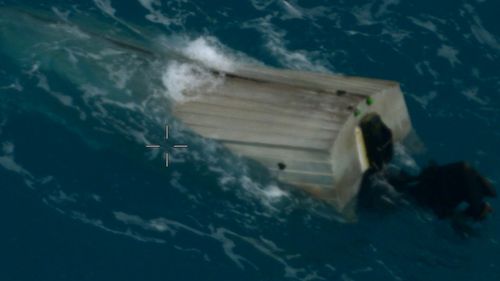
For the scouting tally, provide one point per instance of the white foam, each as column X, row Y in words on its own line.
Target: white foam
column 188, row 80
column 424, row 24
column 99, row 224
column 8, row 148
column 276, row 44
column 16, row 85
column 384, row 7
column 157, row 224
column 71, row 30
column 292, row 11
column 226, row 237
column 228, row 246
column 485, row 37
column 148, row 4
column 450, row 54
column 267, row 195
column 261, row 4
column 105, row 6
column 429, row 25
column 210, row 52
column 403, row 158
column 60, row 197
column 105, row 52
column 43, row 84
column 8, row 162
column 154, row 15
column 424, row 100
column 60, row 14
column 120, row 73
column 482, row 35
column 96, row 197
column 185, row 81
column 274, row 192
column 364, row 14
column 472, row 95
column 426, row 65
column 72, row 56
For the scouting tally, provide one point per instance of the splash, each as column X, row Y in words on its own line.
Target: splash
column 185, row 81
column 203, row 73
column 210, row 52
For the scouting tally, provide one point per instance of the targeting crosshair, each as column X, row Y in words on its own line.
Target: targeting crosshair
column 175, row 146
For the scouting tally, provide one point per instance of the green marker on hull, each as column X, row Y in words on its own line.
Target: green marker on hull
column 369, row 101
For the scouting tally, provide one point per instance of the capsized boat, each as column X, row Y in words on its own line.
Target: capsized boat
column 304, row 127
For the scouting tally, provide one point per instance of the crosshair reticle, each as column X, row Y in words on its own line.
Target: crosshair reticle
column 157, row 146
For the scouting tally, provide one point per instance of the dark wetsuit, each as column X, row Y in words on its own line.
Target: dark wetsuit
column 444, row 188
column 440, row 188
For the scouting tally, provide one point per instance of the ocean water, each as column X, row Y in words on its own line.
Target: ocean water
column 82, row 199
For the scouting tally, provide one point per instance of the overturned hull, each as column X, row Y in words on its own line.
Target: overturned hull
column 302, row 126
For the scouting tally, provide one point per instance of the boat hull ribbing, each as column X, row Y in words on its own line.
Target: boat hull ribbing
column 306, row 121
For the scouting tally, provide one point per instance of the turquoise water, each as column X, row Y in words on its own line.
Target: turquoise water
column 81, row 199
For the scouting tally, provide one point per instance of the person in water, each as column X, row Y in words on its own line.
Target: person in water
column 443, row 189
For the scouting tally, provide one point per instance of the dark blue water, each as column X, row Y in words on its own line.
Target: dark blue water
column 81, row 199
